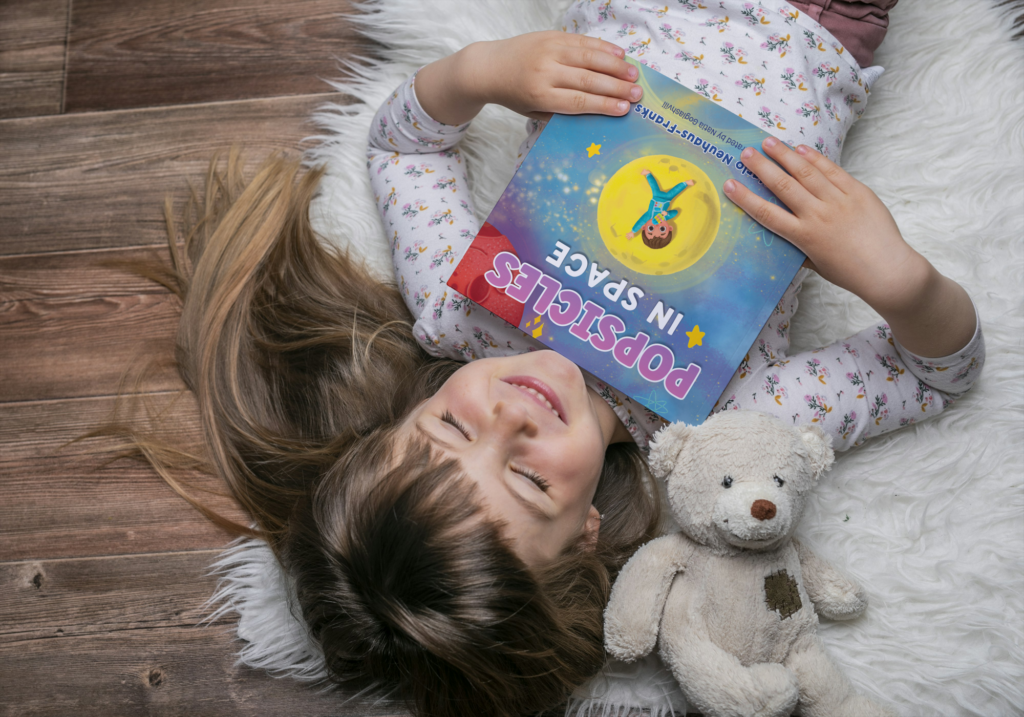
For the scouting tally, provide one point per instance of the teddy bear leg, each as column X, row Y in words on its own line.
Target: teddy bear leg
column 717, row 684
column 824, row 689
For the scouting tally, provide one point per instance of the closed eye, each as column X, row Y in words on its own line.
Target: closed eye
column 530, row 475
column 447, row 417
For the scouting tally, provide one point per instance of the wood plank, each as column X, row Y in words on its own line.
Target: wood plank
column 123, row 55
column 139, row 615
column 32, row 41
column 77, row 275
column 68, row 501
column 69, row 598
column 158, row 671
column 63, row 348
column 77, row 182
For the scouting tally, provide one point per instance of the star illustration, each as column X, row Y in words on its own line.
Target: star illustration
column 695, row 337
column 654, row 403
column 759, row 232
column 593, row 149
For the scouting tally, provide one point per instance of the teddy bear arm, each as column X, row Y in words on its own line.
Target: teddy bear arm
column 834, row 595
column 717, row 683
column 633, row 615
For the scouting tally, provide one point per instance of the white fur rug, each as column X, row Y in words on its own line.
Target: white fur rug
column 930, row 519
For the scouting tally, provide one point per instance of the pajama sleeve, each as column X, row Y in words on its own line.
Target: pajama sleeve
column 422, row 193
column 854, row 389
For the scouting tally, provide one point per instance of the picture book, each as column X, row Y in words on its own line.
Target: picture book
column 615, row 245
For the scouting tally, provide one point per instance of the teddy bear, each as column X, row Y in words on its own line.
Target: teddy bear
column 732, row 599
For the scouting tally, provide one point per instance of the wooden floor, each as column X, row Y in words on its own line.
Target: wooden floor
column 106, row 106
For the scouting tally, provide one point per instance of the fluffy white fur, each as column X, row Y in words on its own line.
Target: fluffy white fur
column 929, row 519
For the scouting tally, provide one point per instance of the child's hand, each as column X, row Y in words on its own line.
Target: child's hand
column 533, row 74
column 852, row 240
column 842, row 226
column 544, row 72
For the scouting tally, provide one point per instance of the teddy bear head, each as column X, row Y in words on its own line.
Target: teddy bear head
column 740, row 479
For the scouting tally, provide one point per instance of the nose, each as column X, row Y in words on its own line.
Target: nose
column 763, row 509
column 512, row 417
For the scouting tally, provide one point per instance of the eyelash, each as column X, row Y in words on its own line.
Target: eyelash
column 535, row 477
column 539, row 481
column 447, row 417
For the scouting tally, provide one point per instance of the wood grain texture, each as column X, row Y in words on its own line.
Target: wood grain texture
column 155, row 671
column 161, row 52
column 78, row 275
column 63, row 348
column 32, row 41
column 120, row 636
column 68, row 501
column 79, row 182
column 70, row 598
column 104, row 576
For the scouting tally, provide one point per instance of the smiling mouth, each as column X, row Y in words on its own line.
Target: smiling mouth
column 540, row 392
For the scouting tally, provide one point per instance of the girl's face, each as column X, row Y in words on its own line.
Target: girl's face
column 532, row 436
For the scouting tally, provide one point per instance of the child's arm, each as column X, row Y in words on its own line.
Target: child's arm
column 647, row 216
column 533, row 74
column 873, row 382
column 851, row 239
column 419, row 178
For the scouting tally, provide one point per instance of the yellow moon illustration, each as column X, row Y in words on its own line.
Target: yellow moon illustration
column 626, row 197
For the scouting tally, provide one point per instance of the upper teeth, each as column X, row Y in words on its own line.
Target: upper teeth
column 539, row 395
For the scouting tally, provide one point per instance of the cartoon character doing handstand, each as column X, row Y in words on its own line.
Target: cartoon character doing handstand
column 657, row 232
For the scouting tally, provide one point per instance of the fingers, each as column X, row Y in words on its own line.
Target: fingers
column 769, row 215
column 782, row 185
column 596, row 69
column 835, row 174
column 599, row 56
column 575, row 102
column 595, row 83
column 585, row 42
column 799, row 168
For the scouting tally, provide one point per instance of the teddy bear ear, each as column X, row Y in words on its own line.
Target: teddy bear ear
column 666, row 446
column 819, row 448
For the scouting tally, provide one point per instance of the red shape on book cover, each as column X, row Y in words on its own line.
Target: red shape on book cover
column 468, row 278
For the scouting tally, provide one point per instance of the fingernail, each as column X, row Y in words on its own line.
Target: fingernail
column 770, row 142
column 747, row 153
column 622, row 106
column 801, row 149
column 632, row 72
column 635, row 92
column 730, row 186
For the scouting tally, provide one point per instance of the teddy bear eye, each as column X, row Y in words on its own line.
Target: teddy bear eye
column 779, row 482
column 727, row 482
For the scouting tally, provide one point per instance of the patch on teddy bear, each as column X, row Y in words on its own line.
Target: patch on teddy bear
column 782, row 594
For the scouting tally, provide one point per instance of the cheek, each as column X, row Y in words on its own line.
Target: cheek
column 576, row 466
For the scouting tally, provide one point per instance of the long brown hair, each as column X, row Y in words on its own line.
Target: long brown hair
column 303, row 366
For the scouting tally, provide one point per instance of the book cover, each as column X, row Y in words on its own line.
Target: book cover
column 615, row 245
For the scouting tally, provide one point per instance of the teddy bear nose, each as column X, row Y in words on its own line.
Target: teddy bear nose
column 763, row 509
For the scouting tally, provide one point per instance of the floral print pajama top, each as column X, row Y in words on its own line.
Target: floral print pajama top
column 764, row 61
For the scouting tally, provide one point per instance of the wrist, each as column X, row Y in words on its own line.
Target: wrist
column 447, row 89
column 470, row 74
column 935, row 316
